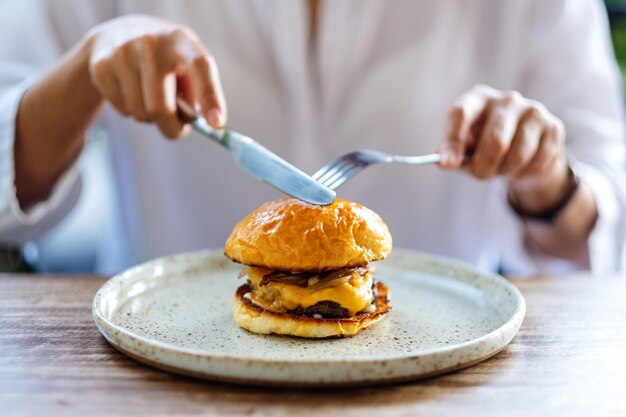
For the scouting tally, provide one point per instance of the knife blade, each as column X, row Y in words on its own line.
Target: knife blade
column 260, row 162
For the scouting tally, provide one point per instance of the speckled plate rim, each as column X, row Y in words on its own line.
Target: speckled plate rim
column 506, row 332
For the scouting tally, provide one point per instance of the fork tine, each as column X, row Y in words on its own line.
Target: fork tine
column 333, row 164
column 344, row 176
column 338, row 171
column 338, row 166
column 347, row 166
column 323, row 170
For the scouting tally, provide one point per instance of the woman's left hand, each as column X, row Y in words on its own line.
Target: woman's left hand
column 504, row 133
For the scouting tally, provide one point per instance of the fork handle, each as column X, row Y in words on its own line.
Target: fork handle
column 432, row 158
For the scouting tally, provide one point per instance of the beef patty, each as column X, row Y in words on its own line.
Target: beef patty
column 328, row 309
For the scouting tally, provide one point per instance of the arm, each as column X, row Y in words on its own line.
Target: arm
column 138, row 71
column 49, row 136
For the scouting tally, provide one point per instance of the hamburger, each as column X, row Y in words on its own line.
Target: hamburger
column 308, row 269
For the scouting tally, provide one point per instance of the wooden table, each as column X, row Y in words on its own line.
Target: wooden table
column 569, row 358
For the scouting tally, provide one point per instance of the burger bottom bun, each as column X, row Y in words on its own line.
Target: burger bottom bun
column 257, row 319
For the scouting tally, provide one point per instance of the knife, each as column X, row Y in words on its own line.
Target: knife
column 258, row 161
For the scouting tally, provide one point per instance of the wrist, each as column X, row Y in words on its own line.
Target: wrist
column 561, row 199
column 79, row 70
column 537, row 195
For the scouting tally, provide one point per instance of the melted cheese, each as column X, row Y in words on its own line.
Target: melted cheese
column 355, row 295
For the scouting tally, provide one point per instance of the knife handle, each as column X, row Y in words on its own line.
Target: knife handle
column 188, row 114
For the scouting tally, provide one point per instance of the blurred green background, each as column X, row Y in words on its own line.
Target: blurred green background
column 617, row 16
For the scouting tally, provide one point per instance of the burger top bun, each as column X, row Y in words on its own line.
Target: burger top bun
column 291, row 235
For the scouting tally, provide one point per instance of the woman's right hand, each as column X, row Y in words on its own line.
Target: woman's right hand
column 140, row 63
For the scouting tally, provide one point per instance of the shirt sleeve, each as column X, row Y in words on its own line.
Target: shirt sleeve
column 35, row 34
column 570, row 67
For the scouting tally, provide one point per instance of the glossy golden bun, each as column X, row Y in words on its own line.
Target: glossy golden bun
column 291, row 235
column 256, row 319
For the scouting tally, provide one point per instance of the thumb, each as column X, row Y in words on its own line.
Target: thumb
column 452, row 154
column 463, row 114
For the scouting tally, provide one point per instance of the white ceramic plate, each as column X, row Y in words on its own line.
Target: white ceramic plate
column 175, row 313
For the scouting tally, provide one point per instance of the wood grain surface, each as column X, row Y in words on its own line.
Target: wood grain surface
column 569, row 358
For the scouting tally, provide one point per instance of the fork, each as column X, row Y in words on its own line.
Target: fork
column 340, row 170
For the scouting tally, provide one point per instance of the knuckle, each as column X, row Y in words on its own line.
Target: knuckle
column 120, row 56
column 148, row 39
column 176, row 43
column 538, row 105
column 500, row 113
column 144, row 43
column 101, row 70
column 510, row 98
column 180, row 31
column 535, row 111
column 559, row 129
column 202, row 62
column 554, row 136
column 124, row 49
column 515, row 95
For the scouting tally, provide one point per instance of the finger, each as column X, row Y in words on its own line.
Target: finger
column 495, row 139
column 549, row 150
column 207, row 90
column 524, row 144
column 104, row 80
column 159, row 97
column 463, row 114
column 128, row 77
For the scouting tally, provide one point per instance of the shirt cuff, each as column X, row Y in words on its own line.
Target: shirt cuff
column 18, row 224
column 603, row 241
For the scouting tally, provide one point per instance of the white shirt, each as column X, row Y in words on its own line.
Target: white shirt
column 383, row 77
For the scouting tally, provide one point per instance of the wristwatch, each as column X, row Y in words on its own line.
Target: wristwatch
column 548, row 215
